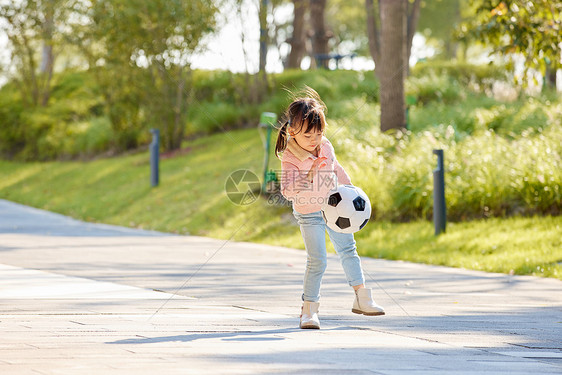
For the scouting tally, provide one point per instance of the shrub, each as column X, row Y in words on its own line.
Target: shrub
column 434, row 88
column 486, row 174
column 12, row 135
column 479, row 113
column 43, row 133
column 478, row 77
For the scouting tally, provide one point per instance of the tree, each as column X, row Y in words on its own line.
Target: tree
column 141, row 52
column 263, row 35
column 532, row 29
column 438, row 22
column 171, row 31
column 317, row 30
column 392, row 64
column 340, row 25
column 347, row 24
column 320, row 34
column 29, row 26
column 313, row 11
column 297, row 40
column 343, row 25
column 391, row 25
column 411, row 10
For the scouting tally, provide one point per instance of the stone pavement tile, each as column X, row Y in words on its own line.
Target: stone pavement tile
column 11, row 369
column 327, row 371
column 546, row 356
column 460, row 371
column 117, row 304
column 279, row 347
column 20, row 283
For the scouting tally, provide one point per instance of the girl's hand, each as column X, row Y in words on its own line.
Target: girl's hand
column 316, row 164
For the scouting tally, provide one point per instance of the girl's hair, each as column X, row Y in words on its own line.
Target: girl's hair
column 305, row 113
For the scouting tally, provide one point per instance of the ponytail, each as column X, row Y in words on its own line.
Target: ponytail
column 281, row 144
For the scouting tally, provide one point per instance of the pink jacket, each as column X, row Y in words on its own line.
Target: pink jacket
column 296, row 162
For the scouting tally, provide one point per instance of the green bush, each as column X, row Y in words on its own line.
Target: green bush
column 52, row 132
column 217, row 86
column 459, row 116
column 207, row 118
column 435, row 88
column 478, row 113
column 91, row 137
column 332, row 86
column 478, row 77
column 486, row 174
column 12, row 135
column 222, row 99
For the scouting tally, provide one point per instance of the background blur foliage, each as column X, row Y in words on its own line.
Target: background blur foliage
column 502, row 148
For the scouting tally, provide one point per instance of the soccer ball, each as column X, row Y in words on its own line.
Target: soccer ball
column 347, row 209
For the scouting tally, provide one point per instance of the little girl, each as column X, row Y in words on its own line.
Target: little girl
column 309, row 171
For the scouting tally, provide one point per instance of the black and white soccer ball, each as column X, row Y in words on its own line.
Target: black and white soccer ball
column 347, row 209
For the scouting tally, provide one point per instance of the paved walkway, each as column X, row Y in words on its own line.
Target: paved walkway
column 80, row 298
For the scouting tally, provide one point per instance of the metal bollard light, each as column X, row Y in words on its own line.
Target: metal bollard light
column 154, row 157
column 439, row 205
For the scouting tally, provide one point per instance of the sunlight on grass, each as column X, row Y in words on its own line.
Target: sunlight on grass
column 191, row 200
column 515, row 245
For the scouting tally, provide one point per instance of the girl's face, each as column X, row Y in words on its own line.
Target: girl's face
column 309, row 141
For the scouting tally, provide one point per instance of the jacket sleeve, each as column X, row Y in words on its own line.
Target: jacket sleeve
column 343, row 177
column 341, row 174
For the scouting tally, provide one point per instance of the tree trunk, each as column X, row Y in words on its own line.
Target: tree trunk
column 47, row 60
column 297, row 40
column 550, row 76
column 47, row 64
column 413, row 17
column 263, row 34
column 373, row 32
column 31, row 77
column 320, row 35
column 451, row 43
column 393, row 64
column 179, row 125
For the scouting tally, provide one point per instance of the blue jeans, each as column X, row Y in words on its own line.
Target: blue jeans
column 313, row 229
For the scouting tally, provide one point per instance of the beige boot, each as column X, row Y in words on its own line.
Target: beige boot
column 309, row 315
column 364, row 303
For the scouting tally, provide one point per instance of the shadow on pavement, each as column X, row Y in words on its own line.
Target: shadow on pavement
column 226, row 336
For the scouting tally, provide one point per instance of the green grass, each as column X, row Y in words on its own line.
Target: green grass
column 191, row 200
column 524, row 246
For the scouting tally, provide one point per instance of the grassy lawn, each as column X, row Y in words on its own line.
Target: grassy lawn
column 191, row 200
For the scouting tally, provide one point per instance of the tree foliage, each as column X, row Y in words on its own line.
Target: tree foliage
column 439, row 20
column 142, row 52
column 139, row 51
column 532, row 29
column 347, row 20
column 32, row 26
